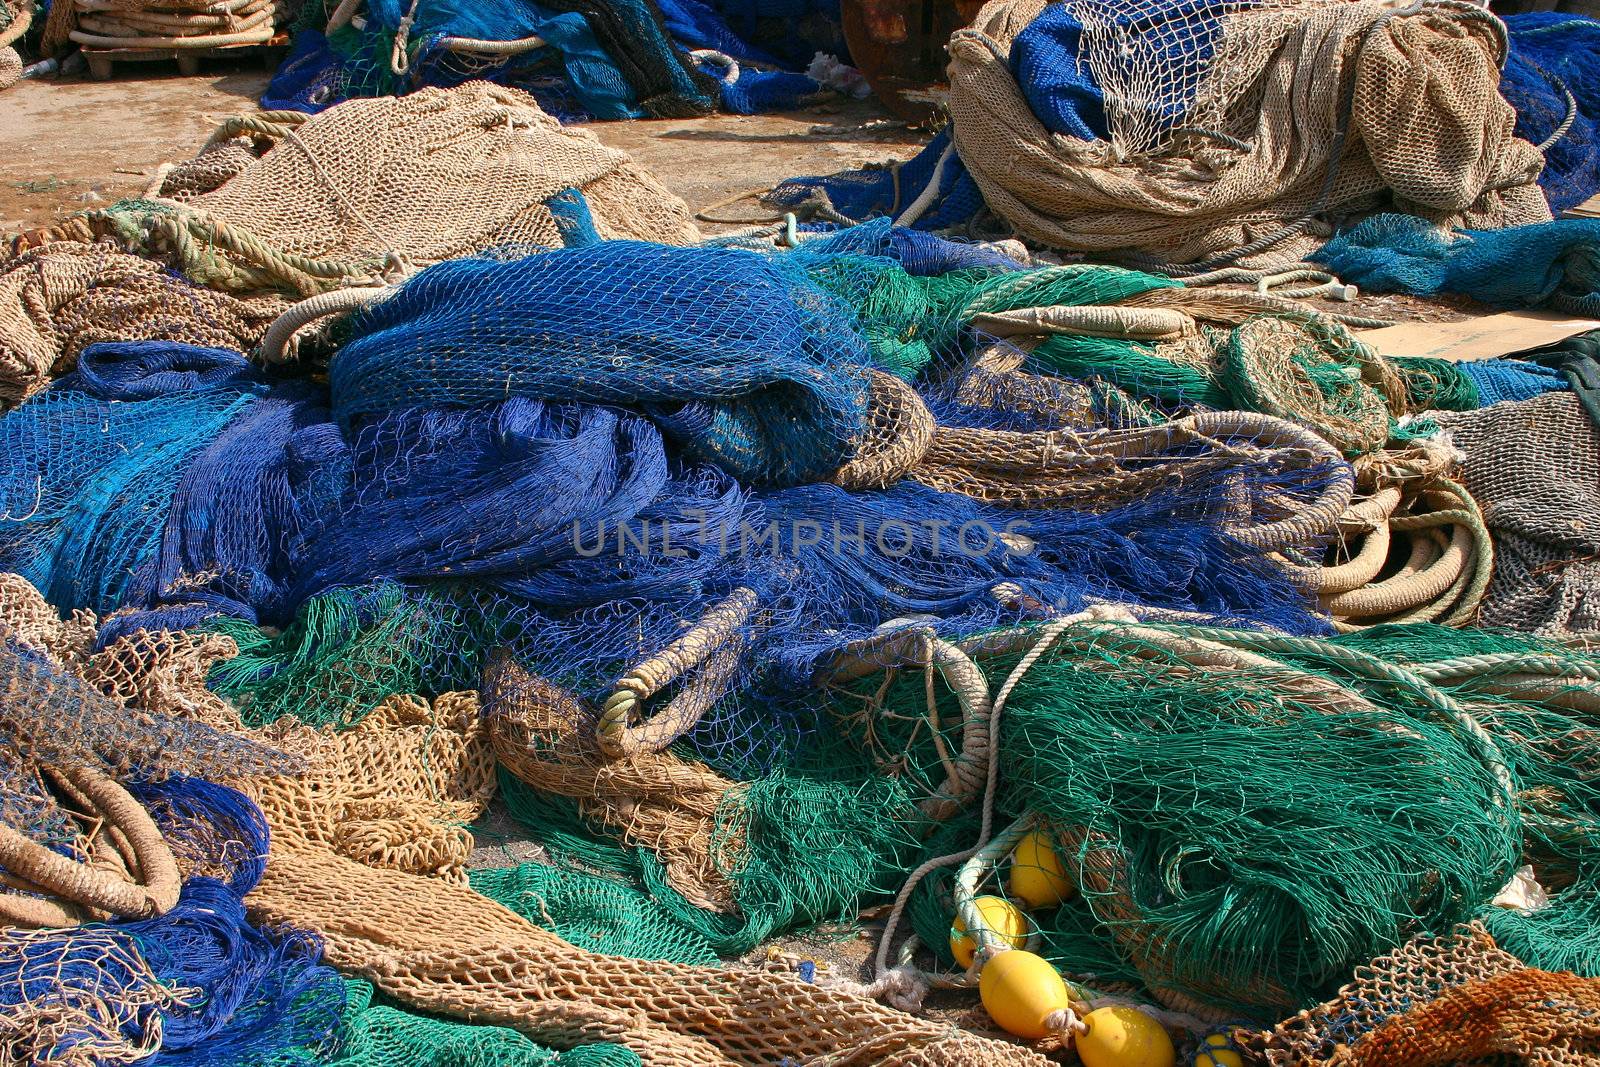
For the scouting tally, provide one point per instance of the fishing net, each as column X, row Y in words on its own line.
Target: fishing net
column 608, row 61
column 446, row 950
column 1226, row 896
column 1550, row 264
column 378, row 1034
column 175, row 23
column 1454, row 998
column 397, row 791
column 15, row 18
column 775, row 397
column 1529, row 466
column 461, row 170
column 1538, row 698
column 1553, row 81
column 57, row 300
column 1238, row 131
column 593, row 913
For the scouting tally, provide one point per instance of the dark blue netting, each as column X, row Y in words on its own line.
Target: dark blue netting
column 261, row 999
column 878, row 191
column 1174, row 38
column 1553, row 55
column 1548, row 264
column 1060, row 90
column 738, row 356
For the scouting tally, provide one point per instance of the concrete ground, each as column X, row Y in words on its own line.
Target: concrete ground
column 71, row 143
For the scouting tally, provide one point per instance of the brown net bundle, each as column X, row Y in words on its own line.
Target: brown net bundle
column 1531, row 466
column 652, row 799
column 26, row 615
column 15, row 18
column 396, row 791
column 57, row 299
column 1102, row 468
column 1454, row 999
column 374, row 189
column 1301, row 112
column 1413, row 547
column 175, row 23
column 441, row 948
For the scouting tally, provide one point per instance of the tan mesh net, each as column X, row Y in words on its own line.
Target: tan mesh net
column 1306, row 109
column 1531, row 465
column 1457, row 999
column 396, row 791
column 373, row 189
column 442, row 948
column 652, row 799
column 58, row 299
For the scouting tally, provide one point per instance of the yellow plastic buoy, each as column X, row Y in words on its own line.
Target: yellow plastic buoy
column 1123, row 1037
column 1037, row 877
column 1020, row 991
column 1218, row 1050
column 999, row 915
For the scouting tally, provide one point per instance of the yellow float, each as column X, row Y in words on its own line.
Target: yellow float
column 1037, row 877
column 999, row 915
column 1121, row 1036
column 1021, row 991
column 1218, row 1050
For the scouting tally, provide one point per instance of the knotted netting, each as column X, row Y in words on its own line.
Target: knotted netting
column 1240, row 130
column 457, row 171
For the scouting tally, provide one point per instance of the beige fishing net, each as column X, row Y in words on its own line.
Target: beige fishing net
column 441, row 948
column 651, row 799
column 15, row 18
column 1455, row 999
column 59, row 298
column 374, row 189
column 1531, row 466
column 1305, row 111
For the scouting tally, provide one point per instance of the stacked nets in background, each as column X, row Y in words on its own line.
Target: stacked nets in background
column 288, row 202
column 604, row 59
column 169, row 24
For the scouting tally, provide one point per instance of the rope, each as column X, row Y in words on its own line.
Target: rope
column 277, row 345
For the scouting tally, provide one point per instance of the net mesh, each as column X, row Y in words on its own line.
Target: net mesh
column 1527, row 465
column 1452, row 998
column 1287, row 113
column 377, row 188
column 57, row 300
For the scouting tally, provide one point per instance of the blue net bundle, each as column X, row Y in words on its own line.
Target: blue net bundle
column 1552, row 78
column 777, row 397
column 601, row 59
column 1547, row 264
column 873, row 192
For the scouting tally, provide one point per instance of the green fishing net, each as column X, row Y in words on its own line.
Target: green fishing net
column 375, row 1034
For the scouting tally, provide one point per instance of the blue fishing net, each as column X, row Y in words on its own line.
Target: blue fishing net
column 1554, row 56
column 1500, row 380
column 738, row 356
column 887, row 191
column 1546, row 264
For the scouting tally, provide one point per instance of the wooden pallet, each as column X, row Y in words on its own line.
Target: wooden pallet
column 102, row 61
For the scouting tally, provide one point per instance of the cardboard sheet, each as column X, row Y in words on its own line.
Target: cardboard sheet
column 1484, row 337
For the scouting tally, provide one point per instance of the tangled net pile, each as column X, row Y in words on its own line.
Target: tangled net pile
column 348, row 527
